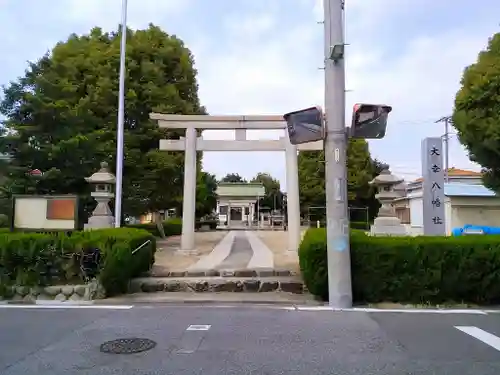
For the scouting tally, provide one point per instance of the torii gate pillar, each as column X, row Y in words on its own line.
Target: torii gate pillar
column 191, row 143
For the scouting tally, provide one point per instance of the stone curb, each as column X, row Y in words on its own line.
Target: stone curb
column 225, row 273
column 47, row 302
column 216, row 286
column 217, row 303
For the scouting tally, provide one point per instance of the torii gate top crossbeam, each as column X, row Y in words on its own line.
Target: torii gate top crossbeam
column 218, row 122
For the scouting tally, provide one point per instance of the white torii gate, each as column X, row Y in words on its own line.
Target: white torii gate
column 191, row 143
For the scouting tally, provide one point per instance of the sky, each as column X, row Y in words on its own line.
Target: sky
column 265, row 57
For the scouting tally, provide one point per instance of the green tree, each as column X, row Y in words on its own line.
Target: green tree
column 360, row 169
column 476, row 115
column 61, row 115
column 273, row 198
column 233, row 177
column 206, row 194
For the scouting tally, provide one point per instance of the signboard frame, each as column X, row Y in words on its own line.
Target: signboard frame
column 76, row 220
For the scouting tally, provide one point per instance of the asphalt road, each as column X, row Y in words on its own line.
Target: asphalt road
column 247, row 340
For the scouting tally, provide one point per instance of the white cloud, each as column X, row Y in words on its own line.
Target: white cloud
column 269, row 75
column 264, row 62
column 107, row 13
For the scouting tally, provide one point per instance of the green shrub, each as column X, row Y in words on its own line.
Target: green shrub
column 212, row 224
column 150, row 227
column 312, row 261
column 38, row 259
column 359, row 225
column 4, row 221
column 410, row 269
column 171, row 227
column 120, row 263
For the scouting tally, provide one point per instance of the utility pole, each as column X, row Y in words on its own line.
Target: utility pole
column 339, row 262
column 121, row 119
column 447, row 121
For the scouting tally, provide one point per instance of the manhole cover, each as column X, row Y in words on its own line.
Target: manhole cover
column 127, row 346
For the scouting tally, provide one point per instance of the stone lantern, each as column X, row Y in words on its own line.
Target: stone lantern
column 103, row 182
column 387, row 223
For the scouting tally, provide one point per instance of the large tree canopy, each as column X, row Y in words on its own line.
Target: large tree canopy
column 274, row 197
column 477, row 112
column 233, row 177
column 206, row 197
column 361, row 170
column 61, row 116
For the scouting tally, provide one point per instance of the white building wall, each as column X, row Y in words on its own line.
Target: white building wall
column 476, row 211
column 416, row 214
column 459, row 211
column 233, row 203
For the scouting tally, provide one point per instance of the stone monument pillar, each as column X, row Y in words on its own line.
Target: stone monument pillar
column 103, row 182
column 387, row 223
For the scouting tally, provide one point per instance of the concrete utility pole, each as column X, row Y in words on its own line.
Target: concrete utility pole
column 339, row 260
column 447, row 121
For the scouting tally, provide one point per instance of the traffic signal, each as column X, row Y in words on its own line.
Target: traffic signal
column 369, row 121
column 306, row 125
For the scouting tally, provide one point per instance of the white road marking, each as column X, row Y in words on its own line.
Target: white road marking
column 63, row 306
column 412, row 311
column 238, row 306
column 481, row 335
column 198, row 327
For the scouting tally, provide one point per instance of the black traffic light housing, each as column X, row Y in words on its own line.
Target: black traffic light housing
column 369, row 121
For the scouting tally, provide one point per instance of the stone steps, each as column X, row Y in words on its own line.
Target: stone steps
column 216, row 299
column 217, row 284
column 264, row 272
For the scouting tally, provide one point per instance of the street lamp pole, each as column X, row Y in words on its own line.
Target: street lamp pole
column 339, row 262
column 121, row 118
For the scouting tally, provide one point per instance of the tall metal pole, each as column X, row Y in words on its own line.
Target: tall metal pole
column 447, row 143
column 446, row 121
column 121, row 118
column 339, row 260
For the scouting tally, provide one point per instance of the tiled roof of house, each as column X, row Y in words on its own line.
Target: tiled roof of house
column 456, row 172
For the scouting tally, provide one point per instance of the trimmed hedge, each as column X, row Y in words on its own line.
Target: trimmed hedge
column 414, row 270
column 39, row 259
column 171, row 227
column 361, row 225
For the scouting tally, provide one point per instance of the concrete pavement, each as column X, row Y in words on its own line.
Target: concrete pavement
column 237, row 250
column 247, row 340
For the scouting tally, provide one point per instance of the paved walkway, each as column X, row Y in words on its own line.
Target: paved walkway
column 237, row 250
column 240, row 254
column 230, row 250
column 168, row 258
column 277, row 242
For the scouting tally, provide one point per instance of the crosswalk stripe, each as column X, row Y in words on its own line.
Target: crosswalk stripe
column 481, row 335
